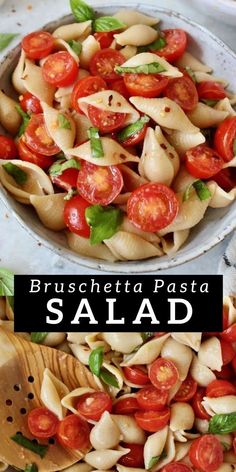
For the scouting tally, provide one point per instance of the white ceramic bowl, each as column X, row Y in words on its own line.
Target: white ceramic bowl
column 221, row 10
column 216, row 224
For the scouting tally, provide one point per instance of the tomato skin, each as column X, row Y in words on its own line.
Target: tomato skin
column 135, row 138
column 103, row 63
column 126, row 406
column 226, row 372
column 183, row 91
column 152, row 421
column 73, row 432
column 85, row 87
column 37, row 138
column 134, row 458
column 60, row 69
column 67, row 180
column 224, row 138
column 38, row 44
column 199, row 409
column 234, row 363
column 136, row 375
column 206, row 453
column 119, row 86
column 229, row 334
column 163, row 373
column 26, row 154
column 226, row 178
column 145, row 85
column 104, row 120
column 219, row 388
column 30, row 104
column 210, row 90
column 92, row 405
column 150, row 398
column 203, row 162
column 144, row 199
column 99, row 184
column 42, row 423
column 176, row 44
column 227, row 351
column 74, row 216
column 177, row 467
column 104, row 38
column 8, row 148
column 186, row 391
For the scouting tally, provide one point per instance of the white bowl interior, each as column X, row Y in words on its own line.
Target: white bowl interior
column 216, row 224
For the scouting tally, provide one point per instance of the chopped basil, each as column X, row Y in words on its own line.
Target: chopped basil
column 96, row 360
column 28, row 444
column 38, row 337
column 16, row 172
column 95, row 142
column 82, row 11
column 152, row 68
column 5, row 39
column 76, row 46
column 107, row 23
column 104, row 222
column 25, row 120
column 209, row 103
column 146, row 336
column 31, row 468
column 6, row 283
column 155, row 46
column 191, row 73
column 155, row 459
column 132, row 129
column 108, row 378
column 234, row 147
column 226, row 446
column 223, row 423
column 201, row 189
column 63, row 122
column 70, row 193
column 61, row 165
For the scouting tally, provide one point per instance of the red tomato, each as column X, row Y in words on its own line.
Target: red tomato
column 210, row 90
column 226, row 178
column 37, row 138
column 203, row 162
column 225, row 137
column 227, row 351
column 73, row 432
column 30, row 104
column 60, row 69
column 67, row 180
column 145, row 85
column 226, row 372
column 38, row 45
column 176, row 40
column 119, row 86
column 136, row 375
column 199, row 409
column 104, row 62
column 163, row 373
column 234, row 363
column 99, row 184
column 134, row 458
column 152, row 207
column 159, row 334
column 206, row 453
column 186, row 391
column 219, row 388
column 104, row 120
column 150, row 398
column 93, row 405
column 42, row 423
column 152, row 421
column 183, row 91
column 74, row 216
column 229, row 334
column 104, row 38
column 126, row 406
column 8, row 149
column 176, row 467
column 84, row 87
column 26, row 154
column 234, row 445
column 135, row 138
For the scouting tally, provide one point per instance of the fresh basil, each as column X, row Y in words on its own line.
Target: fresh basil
column 146, row 336
column 38, row 449
column 61, row 165
column 104, row 222
column 6, row 39
column 155, row 459
column 63, row 122
column 234, row 147
column 95, row 142
column 201, row 189
column 16, row 172
column 76, row 46
column 152, row 68
column 10, row 300
column 107, row 23
column 223, row 423
column 96, row 360
column 71, row 193
column 132, row 129
column 209, row 103
column 82, row 11
column 226, row 446
column 37, row 337
column 191, row 73
column 108, row 378
column 31, row 468
column 155, row 46
column 6, row 283
column 25, row 120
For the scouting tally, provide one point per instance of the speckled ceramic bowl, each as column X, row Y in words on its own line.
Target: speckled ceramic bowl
column 216, row 224
column 221, row 10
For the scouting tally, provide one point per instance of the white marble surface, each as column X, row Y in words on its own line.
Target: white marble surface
column 18, row 250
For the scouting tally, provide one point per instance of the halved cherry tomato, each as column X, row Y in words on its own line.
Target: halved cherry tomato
column 150, row 398
column 42, row 423
column 126, row 406
column 234, row 363
column 74, row 216
column 183, row 91
column 225, row 137
column 99, row 184
column 67, row 180
column 203, row 162
column 206, row 453
column 145, row 85
column 199, row 409
column 136, row 375
column 152, row 207
column 37, row 138
column 163, row 373
column 176, row 40
column 226, row 372
column 119, row 86
column 234, row 445
column 227, row 351
column 30, row 104
column 134, row 458
column 26, row 154
column 135, row 138
column 210, row 90
column 73, row 432
column 176, row 467
column 8, row 148
column 229, row 334
column 38, row 44
column 60, row 69
column 220, row 388
column 186, row 391
column 225, row 317
column 84, row 87
column 105, row 121
column 104, row 38
column 93, row 405
column 104, row 62
column 226, row 178
column 152, row 421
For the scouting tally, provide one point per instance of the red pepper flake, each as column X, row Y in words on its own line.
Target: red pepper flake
column 163, row 146
column 167, row 109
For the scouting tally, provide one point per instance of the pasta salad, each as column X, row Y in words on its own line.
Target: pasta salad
column 122, row 138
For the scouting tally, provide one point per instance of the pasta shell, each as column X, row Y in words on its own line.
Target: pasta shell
column 70, row 400
column 123, row 468
column 192, row 340
column 182, row 142
column 79, row 467
column 132, row 179
column 82, row 353
column 74, row 31
column 64, row 91
column 82, row 125
column 220, row 405
column 225, row 468
column 170, row 452
column 225, row 105
column 122, row 343
column 131, row 432
column 181, row 417
column 148, row 58
column 77, row 338
column 2, row 308
column 64, row 137
column 183, row 180
column 203, row 77
column 89, row 47
column 52, row 391
column 201, row 426
column 204, row 116
column 188, row 60
column 154, row 446
column 50, row 210
column 104, row 459
column 220, row 198
column 147, row 353
column 9, row 311
column 127, row 246
column 105, row 434
column 202, row 374
column 82, row 246
column 35, row 83
column 231, row 310
column 172, row 245
column 133, row 17
column 17, row 81
column 95, row 340
column 54, row 339
column 178, row 353
column 230, row 457
column 181, row 450
column 117, row 373
column 136, row 35
column 128, row 227
column 114, row 153
column 210, row 354
column 128, row 52
column 9, row 116
column 62, row 45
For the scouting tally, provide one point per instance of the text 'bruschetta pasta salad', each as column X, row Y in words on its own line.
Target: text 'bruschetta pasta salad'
column 122, row 137
column 164, row 401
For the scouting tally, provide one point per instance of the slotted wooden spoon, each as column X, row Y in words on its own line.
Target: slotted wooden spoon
column 21, row 371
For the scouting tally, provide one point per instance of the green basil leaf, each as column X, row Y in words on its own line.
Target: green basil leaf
column 104, row 222
column 16, row 172
column 63, row 122
column 234, row 147
column 108, row 378
column 71, row 193
column 6, row 283
column 81, row 11
column 132, row 129
column 146, row 336
column 37, row 337
column 107, row 23
column 31, row 468
column 5, row 39
column 76, row 46
column 95, row 142
column 152, row 68
column 226, row 446
column 191, row 73
column 223, row 423
column 155, row 46
column 201, row 189
column 25, row 120
column 38, row 449
column 61, row 165
column 96, row 360
column 155, row 459
column 209, row 103
column 10, row 300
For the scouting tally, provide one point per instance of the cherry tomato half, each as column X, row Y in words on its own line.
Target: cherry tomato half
column 219, row 388
column 145, row 85
column 234, row 364
column 186, row 391
column 152, row 421
column 225, row 137
column 119, row 86
column 206, row 453
column 105, row 121
column 227, row 351
column 199, row 409
column 176, row 43
column 210, row 90
column 183, row 91
column 67, row 180
column 73, row 432
column 37, row 138
column 136, row 375
column 30, row 104
column 84, row 87
column 229, row 334
column 134, row 458
column 226, row 178
column 93, row 405
column 163, row 373
column 99, row 184
column 104, row 38
column 38, row 44
column 104, row 62
column 42, row 423
column 176, row 467
column 8, row 148
column 26, row 154
column 136, row 138
column 226, row 372
column 203, row 162
column 74, row 216
column 126, row 406
column 60, row 69
column 150, row 398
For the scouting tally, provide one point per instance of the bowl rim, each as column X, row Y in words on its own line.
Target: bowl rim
column 131, row 267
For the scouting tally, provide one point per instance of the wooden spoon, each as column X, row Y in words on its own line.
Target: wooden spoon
column 21, row 371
